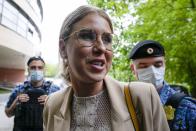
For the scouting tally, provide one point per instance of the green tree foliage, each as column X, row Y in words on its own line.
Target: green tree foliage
column 51, row 70
column 119, row 11
column 171, row 22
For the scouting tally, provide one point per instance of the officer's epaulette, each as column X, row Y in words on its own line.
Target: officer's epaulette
column 26, row 85
column 19, row 85
column 26, row 82
column 47, row 83
column 175, row 99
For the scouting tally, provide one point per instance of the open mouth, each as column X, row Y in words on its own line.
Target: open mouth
column 97, row 63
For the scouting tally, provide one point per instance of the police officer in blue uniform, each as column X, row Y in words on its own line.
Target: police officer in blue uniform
column 148, row 65
column 27, row 100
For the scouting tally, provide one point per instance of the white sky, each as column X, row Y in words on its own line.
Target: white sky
column 54, row 14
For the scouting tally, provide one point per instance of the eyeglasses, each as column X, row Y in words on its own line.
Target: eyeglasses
column 88, row 37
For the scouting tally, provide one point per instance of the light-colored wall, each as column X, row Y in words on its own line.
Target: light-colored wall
column 12, row 40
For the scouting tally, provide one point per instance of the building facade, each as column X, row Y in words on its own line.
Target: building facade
column 20, row 37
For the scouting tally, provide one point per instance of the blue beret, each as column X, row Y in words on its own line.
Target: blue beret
column 147, row 48
column 35, row 58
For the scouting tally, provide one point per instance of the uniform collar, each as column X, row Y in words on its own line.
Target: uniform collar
column 166, row 92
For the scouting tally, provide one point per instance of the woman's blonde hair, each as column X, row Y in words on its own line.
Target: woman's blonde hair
column 68, row 24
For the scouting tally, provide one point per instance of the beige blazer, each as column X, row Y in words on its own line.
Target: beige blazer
column 57, row 111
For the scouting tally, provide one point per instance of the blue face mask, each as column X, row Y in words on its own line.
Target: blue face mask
column 36, row 75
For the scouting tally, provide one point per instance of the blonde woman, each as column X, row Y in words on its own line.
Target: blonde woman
column 94, row 101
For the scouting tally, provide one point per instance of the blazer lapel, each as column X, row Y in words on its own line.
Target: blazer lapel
column 120, row 116
column 60, row 124
column 62, row 120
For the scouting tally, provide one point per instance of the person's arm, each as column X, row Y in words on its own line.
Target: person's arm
column 12, row 101
column 191, row 115
column 53, row 88
column 9, row 111
column 188, row 117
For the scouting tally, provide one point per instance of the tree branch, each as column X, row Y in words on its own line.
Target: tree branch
column 193, row 3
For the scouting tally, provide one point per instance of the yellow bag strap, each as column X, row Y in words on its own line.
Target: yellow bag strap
column 131, row 107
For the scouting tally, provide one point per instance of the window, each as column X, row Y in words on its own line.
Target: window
column 22, row 23
column 8, row 23
column 10, row 8
column 9, row 15
column 1, row 5
column 35, row 7
column 1, row 1
column 21, row 31
column 15, row 20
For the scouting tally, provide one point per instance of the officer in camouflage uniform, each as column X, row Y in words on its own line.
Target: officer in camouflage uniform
column 148, row 65
column 26, row 100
